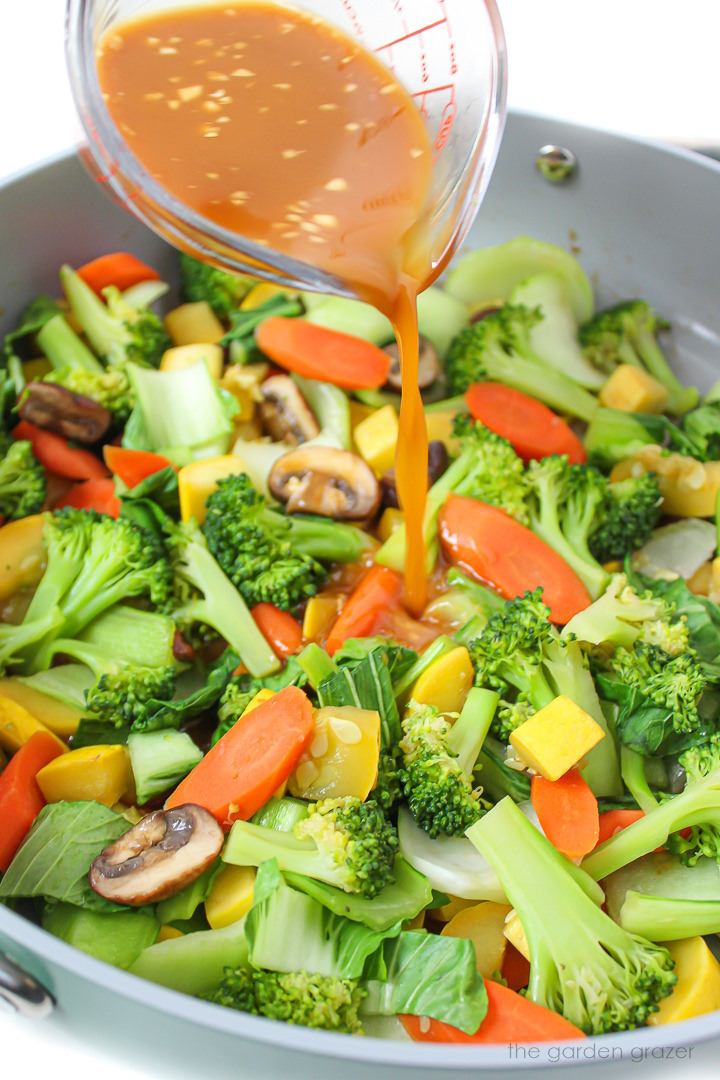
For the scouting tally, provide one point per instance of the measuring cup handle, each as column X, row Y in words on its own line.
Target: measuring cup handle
column 22, row 992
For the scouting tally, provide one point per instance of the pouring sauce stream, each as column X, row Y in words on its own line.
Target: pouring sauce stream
column 279, row 127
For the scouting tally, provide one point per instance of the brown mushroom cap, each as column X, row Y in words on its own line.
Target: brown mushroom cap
column 160, row 855
column 428, row 370
column 323, row 480
column 285, row 413
column 71, row 415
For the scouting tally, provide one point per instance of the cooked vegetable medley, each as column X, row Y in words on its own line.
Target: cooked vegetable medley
column 233, row 763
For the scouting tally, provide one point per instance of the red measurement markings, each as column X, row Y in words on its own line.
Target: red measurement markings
column 411, row 34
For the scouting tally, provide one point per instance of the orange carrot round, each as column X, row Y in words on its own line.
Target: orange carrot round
column 55, row 454
column 98, row 495
column 568, row 812
column 133, row 466
column 282, row 633
column 533, row 429
column 20, row 797
column 376, row 595
column 493, row 547
column 243, row 769
column 318, row 353
column 119, row 269
column 510, row 1018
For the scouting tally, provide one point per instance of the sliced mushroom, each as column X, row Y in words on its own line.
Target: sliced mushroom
column 160, row 855
column 285, row 413
column 326, row 481
column 428, row 370
column 71, row 415
column 437, row 464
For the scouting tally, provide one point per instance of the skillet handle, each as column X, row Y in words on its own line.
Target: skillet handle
column 22, row 992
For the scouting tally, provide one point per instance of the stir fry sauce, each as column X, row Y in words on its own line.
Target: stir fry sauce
column 277, row 126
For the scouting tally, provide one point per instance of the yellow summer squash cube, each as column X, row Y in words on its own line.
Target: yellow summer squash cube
column 342, row 760
column 376, row 438
column 17, row 725
column 184, row 356
column 92, row 773
column 632, row 389
column 484, row 925
column 60, row 718
column 193, row 324
column 556, row 738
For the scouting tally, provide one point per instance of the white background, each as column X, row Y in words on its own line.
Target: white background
column 644, row 67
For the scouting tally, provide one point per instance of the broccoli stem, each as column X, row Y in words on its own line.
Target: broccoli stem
column 316, row 664
column 661, row 918
column 698, row 804
column 535, row 378
column 682, row 397
column 138, row 637
column 324, row 539
column 64, row 349
column 252, row 845
column 583, row 965
column 632, row 766
column 470, row 730
column 223, row 608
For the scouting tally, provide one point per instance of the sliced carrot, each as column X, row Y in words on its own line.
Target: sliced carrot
column 515, row 968
column 376, row 595
column 533, row 429
column 96, row 495
column 568, row 812
column 613, row 821
column 282, row 633
column 133, row 466
column 20, row 797
column 119, row 269
column 56, row 454
column 493, row 547
column 318, row 353
column 240, row 773
column 510, row 1018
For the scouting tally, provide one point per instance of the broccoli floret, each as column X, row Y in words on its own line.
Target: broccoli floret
column 563, row 502
column 582, row 964
column 626, row 518
column 621, row 616
column 673, row 682
column 626, row 334
column 438, row 762
column 93, row 563
column 343, row 842
column 254, row 546
column 699, row 762
column 110, row 388
column 510, row 715
column 232, row 705
column 202, row 593
column 521, row 655
column 314, row 1001
column 497, row 348
column 510, row 651
column 122, row 687
column 22, row 481
column 696, row 808
column 222, row 290
column 116, row 331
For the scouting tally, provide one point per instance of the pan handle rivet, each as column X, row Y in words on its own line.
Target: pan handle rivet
column 555, row 163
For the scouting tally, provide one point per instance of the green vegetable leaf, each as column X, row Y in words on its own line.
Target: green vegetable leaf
column 647, row 727
column 430, row 975
column 55, row 857
column 367, row 685
column 158, row 714
column 116, row 938
column 91, row 732
column 182, row 906
column 289, row 931
column 36, row 314
column 702, row 616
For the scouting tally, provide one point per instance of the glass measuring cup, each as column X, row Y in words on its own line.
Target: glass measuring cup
column 449, row 55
